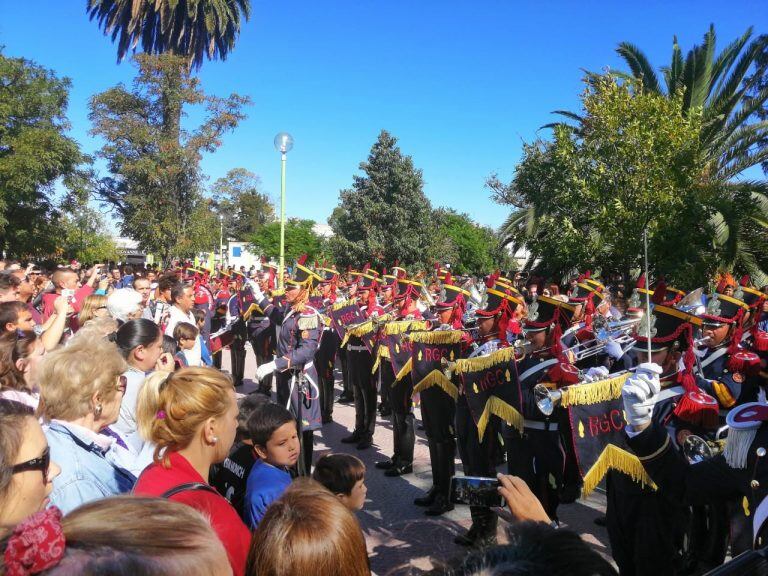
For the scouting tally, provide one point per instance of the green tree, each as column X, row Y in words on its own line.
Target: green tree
column 155, row 184
column 34, row 153
column 585, row 198
column 467, row 246
column 190, row 30
column 241, row 204
column 385, row 216
column 717, row 88
column 299, row 240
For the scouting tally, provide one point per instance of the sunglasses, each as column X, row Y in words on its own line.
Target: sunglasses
column 42, row 463
column 122, row 383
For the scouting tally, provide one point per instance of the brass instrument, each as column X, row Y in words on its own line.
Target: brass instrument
column 696, row 449
column 620, row 332
column 547, row 399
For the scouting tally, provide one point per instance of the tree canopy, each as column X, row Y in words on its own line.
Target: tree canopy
column 299, row 240
column 241, row 204
column 35, row 152
column 385, row 215
column 155, row 181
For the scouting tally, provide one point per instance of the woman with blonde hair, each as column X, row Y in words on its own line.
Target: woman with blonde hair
column 152, row 537
column 190, row 416
column 308, row 531
column 20, row 354
column 298, row 336
column 81, row 387
column 94, row 306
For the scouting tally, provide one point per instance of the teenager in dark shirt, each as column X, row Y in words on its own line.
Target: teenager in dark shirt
column 230, row 477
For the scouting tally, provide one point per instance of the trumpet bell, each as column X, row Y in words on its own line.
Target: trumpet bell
column 696, row 449
column 546, row 399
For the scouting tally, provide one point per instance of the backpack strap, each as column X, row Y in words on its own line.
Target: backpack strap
column 188, row 486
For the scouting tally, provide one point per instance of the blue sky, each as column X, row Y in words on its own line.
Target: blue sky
column 461, row 84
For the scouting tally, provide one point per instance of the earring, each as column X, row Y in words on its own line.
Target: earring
column 215, row 439
column 97, row 411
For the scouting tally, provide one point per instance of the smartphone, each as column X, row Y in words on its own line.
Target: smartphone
column 475, row 491
column 68, row 293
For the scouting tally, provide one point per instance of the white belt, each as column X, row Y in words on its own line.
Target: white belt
column 536, row 425
column 356, row 348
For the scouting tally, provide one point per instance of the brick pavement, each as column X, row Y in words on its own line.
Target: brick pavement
column 401, row 539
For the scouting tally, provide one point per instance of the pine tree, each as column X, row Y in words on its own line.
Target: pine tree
column 385, row 215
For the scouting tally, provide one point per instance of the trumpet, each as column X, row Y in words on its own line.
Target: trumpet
column 548, row 399
column 620, row 332
column 696, row 449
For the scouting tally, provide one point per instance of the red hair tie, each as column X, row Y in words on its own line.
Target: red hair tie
column 36, row 544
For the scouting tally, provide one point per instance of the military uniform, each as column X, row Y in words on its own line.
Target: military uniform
column 236, row 323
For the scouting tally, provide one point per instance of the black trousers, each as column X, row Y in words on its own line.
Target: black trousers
column 237, row 352
column 404, row 437
column 477, row 457
column 345, row 381
column 644, row 529
column 360, row 364
column 325, row 359
column 438, row 413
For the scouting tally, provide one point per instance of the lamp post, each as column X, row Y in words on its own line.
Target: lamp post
column 283, row 144
column 221, row 240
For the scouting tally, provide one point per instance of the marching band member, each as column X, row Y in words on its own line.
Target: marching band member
column 296, row 343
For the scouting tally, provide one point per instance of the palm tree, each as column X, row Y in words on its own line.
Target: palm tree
column 191, row 28
column 717, row 87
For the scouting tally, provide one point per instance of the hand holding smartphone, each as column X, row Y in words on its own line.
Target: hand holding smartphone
column 69, row 294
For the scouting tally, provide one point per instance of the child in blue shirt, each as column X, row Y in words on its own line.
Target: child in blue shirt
column 272, row 429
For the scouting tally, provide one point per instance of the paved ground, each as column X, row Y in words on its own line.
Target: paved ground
column 401, row 540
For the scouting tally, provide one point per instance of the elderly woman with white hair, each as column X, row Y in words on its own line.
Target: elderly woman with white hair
column 125, row 304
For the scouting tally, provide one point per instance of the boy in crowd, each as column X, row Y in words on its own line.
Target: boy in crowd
column 276, row 443
column 230, row 477
column 186, row 335
column 205, row 351
column 344, row 475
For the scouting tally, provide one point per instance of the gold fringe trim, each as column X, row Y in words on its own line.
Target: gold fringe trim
column 339, row 305
column 253, row 308
column 383, row 352
column 465, row 365
column 437, row 337
column 615, row 458
column 437, row 378
column 405, row 370
column 593, row 392
column 305, row 323
column 497, row 406
column 376, row 364
column 358, row 330
column 400, row 326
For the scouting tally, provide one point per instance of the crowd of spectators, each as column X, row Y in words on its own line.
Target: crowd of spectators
column 123, row 452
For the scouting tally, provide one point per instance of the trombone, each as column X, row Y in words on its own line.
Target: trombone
column 620, row 332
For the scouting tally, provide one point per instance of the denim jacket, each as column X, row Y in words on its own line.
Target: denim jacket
column 87, row 469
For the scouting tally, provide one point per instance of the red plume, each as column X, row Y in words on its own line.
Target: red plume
column 660, row 293
column 641, row 281
column 316, row 264
column 366, row 267
column 448, row 279
column 302, row 259
column 588, row 274
column 580, row 278
column 437, row 266
column 744, row 280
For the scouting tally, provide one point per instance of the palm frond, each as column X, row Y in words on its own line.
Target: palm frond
column 725, row 60
column 640, row 66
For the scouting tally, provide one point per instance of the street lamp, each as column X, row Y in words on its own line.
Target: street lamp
column 221, row 240
column 283, row 144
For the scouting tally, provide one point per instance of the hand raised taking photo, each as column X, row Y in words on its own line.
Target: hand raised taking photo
column 522, row 503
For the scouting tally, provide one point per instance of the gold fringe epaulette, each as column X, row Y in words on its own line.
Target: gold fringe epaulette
column 400, row 326
column 465, row 365
column 615, row 458
column 437, row 337
column 437, row 378
column 593, row 392
column 497, row 406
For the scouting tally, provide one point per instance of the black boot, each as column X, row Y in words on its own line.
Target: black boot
column 353, row 438
column 483, row 529
column 427, row 499
column 441, row 476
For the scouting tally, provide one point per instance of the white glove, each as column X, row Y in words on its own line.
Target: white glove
column 596, row 373
column 265, row 370
column 613, row 349
column 256, row 289
column 638, row 392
